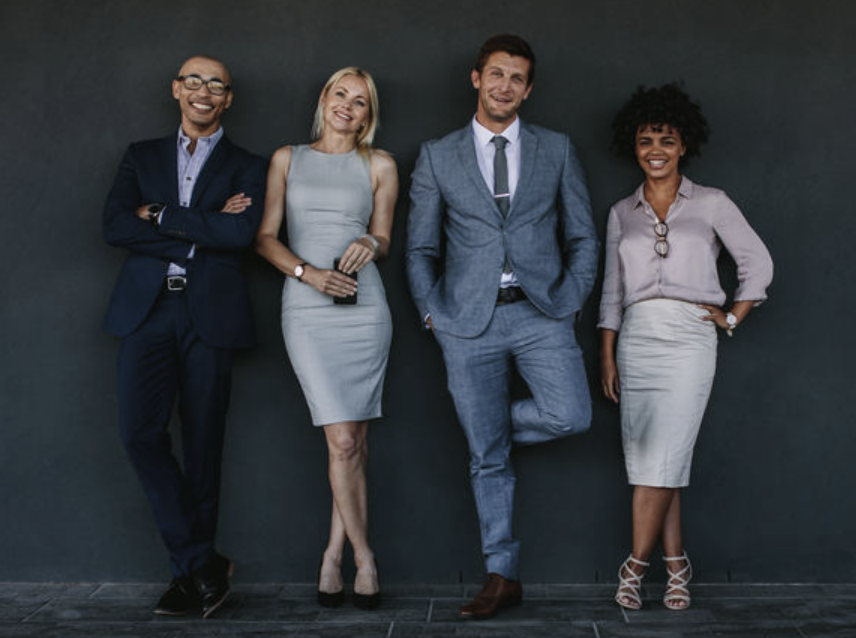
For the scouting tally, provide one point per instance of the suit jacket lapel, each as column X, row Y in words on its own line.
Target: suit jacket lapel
column 211, row 167
column 467, row 154
column 528, row 152
column 167, row 164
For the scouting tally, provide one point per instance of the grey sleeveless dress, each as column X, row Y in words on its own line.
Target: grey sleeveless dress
column 338, row 352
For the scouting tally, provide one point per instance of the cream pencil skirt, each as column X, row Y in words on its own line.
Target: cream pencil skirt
column 666, row 360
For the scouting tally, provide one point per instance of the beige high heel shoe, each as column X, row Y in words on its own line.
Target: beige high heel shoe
column 630, row 584
column 677, row 597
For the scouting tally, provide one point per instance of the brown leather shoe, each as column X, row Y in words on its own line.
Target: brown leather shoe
column 496, row 594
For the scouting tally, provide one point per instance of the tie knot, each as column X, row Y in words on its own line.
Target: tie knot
column 499, row 141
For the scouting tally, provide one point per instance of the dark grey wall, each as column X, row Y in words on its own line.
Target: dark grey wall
column 772, row 495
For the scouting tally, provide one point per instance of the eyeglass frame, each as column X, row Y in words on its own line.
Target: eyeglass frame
column 206, row 83
column 661, row 246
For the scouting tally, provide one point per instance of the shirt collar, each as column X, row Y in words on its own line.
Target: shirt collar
column 484, row 136
column 685, row 190
column 209, row 141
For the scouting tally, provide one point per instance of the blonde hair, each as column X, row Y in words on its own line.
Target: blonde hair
column 365, row 136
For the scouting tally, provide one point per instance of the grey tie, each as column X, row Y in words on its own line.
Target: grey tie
column 500, row 183
column 500, row 175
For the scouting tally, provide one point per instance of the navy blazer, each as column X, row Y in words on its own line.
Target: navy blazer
column 217, row 294
column 457, row 238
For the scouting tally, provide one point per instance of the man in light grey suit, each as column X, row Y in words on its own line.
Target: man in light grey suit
column 501, row 255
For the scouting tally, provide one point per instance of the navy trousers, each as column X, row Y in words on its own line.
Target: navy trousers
column 164, row 359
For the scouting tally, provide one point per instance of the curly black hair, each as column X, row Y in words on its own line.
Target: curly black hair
column 667, row 105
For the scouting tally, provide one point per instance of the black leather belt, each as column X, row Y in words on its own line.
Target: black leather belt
column 512, row 294
column 175, row 283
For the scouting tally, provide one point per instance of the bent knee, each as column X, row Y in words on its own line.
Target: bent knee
column 572, row 420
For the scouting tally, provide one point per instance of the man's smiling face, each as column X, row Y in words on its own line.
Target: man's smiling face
column 200, row 109
column 503, row 84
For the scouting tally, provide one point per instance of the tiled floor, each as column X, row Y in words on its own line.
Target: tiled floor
column 107, row 610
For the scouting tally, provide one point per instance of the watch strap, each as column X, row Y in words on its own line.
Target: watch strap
column 298, row 274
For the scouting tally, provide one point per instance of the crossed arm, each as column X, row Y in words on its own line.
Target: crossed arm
column 126, row 223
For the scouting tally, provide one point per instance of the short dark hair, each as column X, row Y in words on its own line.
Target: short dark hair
column 666, row 105
column 510, row 44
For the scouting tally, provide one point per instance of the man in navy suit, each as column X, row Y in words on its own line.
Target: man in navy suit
column 501, row 255
column 184, row 207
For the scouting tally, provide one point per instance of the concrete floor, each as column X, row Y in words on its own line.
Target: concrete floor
column 106, row 610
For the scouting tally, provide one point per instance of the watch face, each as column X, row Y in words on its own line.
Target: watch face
column 298, row 271
column 731, row 320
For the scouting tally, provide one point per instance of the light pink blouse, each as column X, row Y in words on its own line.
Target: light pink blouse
column 700, row 221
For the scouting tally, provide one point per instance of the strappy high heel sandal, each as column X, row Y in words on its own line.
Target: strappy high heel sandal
column 677, row 597
column 630, row 584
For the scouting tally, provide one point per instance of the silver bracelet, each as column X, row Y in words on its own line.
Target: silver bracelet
column 373, row 242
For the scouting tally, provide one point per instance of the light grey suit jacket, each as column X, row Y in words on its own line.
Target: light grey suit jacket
column 457, row 237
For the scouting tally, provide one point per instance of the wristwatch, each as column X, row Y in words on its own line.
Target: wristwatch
column 299, row 269
column 731, row 320
column 153, row 211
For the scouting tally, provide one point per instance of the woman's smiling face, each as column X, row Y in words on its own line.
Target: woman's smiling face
column 659, row 149
column 346, row 105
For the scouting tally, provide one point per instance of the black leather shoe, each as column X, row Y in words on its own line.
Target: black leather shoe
column 326, row 599
column 329, row 599
column 179, row 599
column 212, row 583
column 367, row 601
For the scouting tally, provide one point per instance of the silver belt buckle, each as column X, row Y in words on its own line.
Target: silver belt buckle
column 176, row 282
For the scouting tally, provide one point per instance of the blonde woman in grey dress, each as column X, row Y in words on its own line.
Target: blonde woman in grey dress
column 337, row 196
column 659, row 312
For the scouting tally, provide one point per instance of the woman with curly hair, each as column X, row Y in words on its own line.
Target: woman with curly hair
column 659, row 312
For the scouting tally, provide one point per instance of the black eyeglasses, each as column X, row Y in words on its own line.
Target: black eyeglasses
column 194, row 82
column 661, row 246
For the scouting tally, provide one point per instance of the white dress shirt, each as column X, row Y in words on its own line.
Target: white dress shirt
column 485, row 152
